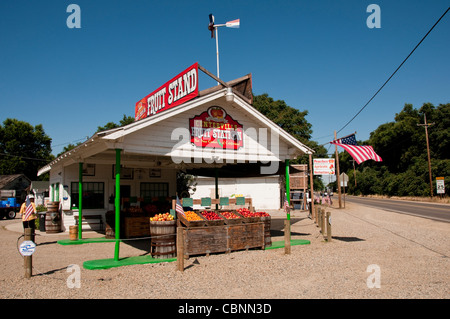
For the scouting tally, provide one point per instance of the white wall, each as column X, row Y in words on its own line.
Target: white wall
column 103, row 173
column 264, row 191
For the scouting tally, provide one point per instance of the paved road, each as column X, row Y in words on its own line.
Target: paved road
column 434, row 211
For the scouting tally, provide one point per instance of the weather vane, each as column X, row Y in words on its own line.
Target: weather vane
column 213, row 27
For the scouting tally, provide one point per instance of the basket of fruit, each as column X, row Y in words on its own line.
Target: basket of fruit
column 163, row 236
column 248, row 216
column 191, row 219
column 230, row 217
column 212, row 218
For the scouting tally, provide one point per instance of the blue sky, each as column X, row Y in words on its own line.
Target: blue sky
column 318, row 56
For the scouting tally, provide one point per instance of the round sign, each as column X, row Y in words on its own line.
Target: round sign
column 27, row 248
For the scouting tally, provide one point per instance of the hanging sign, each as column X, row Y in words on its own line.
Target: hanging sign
column 178, row 90
column 215, row 128
column 323, row 166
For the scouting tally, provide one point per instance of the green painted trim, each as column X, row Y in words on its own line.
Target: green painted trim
column 294, row 242
column 127, row 261
column 80, row 200
column 57, row 192
column 117, row 205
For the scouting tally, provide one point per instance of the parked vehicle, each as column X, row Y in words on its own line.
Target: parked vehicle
column 9, row 208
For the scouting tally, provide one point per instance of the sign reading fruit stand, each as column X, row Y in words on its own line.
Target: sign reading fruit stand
column 215, row 128
column 178, row 90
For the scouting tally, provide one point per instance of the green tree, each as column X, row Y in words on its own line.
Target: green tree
column 23, row 148
column 294, row 122
column 110, row 125
column 402, row 146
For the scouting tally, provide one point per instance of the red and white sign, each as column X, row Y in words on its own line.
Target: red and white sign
column 215, row 128
column 323, row 166
column 178, row 90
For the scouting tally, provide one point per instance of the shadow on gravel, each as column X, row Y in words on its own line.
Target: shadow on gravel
column 347, row 239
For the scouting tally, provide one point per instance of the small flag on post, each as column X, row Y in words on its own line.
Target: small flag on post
column 360, row 153
column 29, row 208
column 233, row 24
column 179, row 207
column 286, row 204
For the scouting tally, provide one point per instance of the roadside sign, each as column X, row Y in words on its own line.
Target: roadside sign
column 323, row 166
column 440, row 186
column 27, row 248
column 344, row 179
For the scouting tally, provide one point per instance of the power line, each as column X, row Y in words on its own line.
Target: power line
column 24, row 157
column 395, row 71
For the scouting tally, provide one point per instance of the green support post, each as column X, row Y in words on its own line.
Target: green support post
column 80, row 199
column 288, row 193
column 117, row 205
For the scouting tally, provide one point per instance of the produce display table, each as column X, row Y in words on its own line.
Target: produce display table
column 227, row 231
column 226, row 238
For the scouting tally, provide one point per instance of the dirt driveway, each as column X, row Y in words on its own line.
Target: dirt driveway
column 373, row 254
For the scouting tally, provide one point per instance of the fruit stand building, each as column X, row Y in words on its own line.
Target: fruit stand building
column 214, row 132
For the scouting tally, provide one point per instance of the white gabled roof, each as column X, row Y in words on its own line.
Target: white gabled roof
column 110, row 139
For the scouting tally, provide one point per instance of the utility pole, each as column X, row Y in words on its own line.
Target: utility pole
column 337, row 174
column 428, row 151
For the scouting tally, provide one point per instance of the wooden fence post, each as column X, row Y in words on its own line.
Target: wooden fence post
column 287, row 236
column 180, row 249
column 28, row 260
column 328, row 226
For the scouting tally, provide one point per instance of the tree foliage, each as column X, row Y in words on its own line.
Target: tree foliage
column 124, row 121
column 402, row 146
column 294, row 122
column 23, row 148
column 291, row 120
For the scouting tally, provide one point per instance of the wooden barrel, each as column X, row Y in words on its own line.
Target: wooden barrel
column 164, row 239
column 267, row 236
column 52, row 222
column 73, row 232
column 53, row 206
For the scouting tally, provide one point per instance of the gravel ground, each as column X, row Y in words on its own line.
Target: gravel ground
column 411, row 255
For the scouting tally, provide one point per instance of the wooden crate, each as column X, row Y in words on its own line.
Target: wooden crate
column 136, row 227
column 215, row 222
column 205, row 240
column 191, row 223
column 230, row 221
column 267, row 220
column 226, row 238
column 249, row 220
column 245, row 236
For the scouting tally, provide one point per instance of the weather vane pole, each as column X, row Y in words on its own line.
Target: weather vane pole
column 213, row 28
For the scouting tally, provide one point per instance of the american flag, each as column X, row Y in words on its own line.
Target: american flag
column 179, row 207
column 29, row 208
column 360, row 153
column 286, row 204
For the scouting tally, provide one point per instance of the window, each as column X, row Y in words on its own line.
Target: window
column 150, row 190
column 93, row 195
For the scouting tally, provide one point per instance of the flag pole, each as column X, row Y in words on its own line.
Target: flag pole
column 338, row 172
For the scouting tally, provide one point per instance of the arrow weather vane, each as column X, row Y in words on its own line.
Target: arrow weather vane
column 213, row 27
